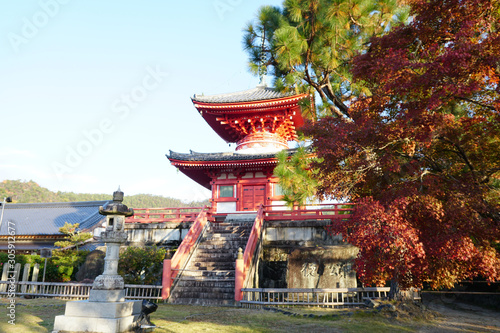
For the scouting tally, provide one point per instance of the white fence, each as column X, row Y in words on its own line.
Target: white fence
column 335, row 298
column 11, row 283
column 74, row 291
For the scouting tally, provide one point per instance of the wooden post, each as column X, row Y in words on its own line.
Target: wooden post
column 166, row 279
column 36, row 270
column 239, row 276
column 26, row 275
column 3, row 287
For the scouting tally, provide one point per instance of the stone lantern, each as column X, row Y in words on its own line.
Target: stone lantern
column 106, row 310
column 114, row 236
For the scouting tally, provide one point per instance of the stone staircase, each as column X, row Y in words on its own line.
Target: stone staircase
column 209, row 276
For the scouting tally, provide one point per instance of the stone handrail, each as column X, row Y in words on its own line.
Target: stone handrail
column 171, row 267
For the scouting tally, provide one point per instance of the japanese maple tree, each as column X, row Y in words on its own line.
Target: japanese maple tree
column 420, row 153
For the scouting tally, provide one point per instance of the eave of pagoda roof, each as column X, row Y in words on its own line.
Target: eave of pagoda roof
column 212, row 159
column 259, row 93
column 194, row 164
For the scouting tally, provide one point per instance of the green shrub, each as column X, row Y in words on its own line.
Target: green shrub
column 141, row 265
column 67, row 263
column 62, row 267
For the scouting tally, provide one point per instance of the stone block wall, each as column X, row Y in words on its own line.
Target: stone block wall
column 165, row 234
column 301, row 254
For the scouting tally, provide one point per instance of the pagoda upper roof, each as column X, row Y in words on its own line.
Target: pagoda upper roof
column 256, row 94
column 226, row 113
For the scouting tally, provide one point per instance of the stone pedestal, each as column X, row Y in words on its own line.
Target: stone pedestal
column 102, row 317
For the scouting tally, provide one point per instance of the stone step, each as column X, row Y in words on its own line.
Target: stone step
column 215, row 265
column 221, row 245
column 227, row 255
column 186, row 290
column 207, row 295
column 213, row 257
column 222, row 240
column 207, row 257
column 218, row 274
column 209, row 277
column 228, row 236
column 206, row 280
column 229, row 233
column 200, row 301
column 230, row 229
column 234, row 223
column 205, row 283
column 216, row 249
column 240, row 218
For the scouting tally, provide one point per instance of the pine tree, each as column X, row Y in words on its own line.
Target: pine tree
column 308, row 46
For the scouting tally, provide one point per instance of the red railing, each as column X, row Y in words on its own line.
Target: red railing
column 310, row 212
column 243, row 264
column 171, row 267
column 281, row 212
column 161, row 215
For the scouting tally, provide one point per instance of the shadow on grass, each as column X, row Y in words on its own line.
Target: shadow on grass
column 37, row 315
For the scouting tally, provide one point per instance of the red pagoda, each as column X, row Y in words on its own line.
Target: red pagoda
column 260, row 121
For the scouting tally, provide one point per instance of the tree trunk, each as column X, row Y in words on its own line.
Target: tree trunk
column 396, row 294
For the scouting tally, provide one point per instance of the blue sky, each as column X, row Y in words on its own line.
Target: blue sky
column 93, row 94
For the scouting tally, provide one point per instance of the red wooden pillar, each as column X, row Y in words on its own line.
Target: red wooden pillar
column 166, row 280
column 215, row 195
column 239, row 196
column 269, row 192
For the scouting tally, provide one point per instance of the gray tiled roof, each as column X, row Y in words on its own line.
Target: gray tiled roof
column 226, row 156
column 259, row 93
column 47, row 218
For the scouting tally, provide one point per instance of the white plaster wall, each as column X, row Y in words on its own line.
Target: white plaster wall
column 226, row 207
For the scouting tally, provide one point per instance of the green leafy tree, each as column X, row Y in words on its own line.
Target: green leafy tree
column 141, row 265
column 308, row 46
column 74, row 237
column 68, row 257
column 296, row 177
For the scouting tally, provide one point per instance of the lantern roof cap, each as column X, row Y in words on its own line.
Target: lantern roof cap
column 116, row 207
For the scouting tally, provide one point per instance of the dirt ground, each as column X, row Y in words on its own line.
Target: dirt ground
column 453, row 316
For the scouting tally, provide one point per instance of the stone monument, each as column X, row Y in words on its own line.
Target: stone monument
column 322, row 267
column 106, row 310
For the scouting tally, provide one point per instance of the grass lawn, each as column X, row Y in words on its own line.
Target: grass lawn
column 37, row 315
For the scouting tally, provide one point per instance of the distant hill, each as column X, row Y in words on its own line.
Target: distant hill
column 26, row 192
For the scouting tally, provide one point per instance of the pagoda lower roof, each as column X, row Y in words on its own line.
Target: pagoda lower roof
column 193, row 156
column 194, row 164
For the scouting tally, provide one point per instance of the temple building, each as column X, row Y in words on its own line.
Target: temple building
column 261, row 121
